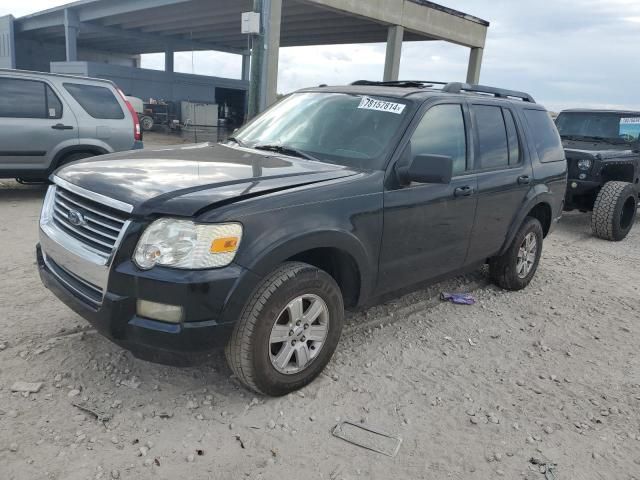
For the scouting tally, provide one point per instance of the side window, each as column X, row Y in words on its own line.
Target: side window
column 22, row 99
column 441, row 132
column 54, row 105
column 99, row 102
column 512, row 136
column 545, row 136
column 492, row 136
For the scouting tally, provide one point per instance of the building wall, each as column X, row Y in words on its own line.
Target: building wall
column 146, row 84
column 7, row 44
column 37, row 56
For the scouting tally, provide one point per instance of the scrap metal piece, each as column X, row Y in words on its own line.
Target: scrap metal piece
column 100, row 416
column 341, row 431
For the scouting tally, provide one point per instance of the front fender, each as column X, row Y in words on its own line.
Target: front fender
column 268, row 259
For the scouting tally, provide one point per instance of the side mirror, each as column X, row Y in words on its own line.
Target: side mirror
column 428, row 169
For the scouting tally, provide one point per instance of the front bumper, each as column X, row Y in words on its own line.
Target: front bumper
column 212, row 301
column 581, row 193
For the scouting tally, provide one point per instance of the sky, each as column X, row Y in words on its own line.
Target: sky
column 566, row 53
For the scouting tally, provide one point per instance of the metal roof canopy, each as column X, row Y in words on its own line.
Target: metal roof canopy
column 152, row 26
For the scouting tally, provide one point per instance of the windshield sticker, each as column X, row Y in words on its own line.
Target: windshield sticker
column 630, row 121
column 368, row 103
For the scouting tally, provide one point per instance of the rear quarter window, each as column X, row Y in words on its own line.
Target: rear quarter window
column 545, row 136
column 99, row 102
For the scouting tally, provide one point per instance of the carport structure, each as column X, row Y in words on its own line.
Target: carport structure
column 136, row 27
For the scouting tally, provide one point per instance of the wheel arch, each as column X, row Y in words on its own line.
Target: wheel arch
column 340, row 254
column 620, row 172
column 539, row 207
column 65, row 152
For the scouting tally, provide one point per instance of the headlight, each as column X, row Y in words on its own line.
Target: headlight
column 584, row 164
column 187, row 245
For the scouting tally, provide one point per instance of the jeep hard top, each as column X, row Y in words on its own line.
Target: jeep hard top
column 329, row 199
column 603, row 152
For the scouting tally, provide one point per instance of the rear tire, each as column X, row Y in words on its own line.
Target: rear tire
column 516, row 268
column 254, row 352
column 614, row 211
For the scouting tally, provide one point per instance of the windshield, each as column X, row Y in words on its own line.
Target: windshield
column 614, row 128
column 351, row 130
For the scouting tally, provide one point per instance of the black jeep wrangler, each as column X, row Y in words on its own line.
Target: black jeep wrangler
column 330, row 199
column 603, row 152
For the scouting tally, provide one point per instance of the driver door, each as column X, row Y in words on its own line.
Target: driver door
column 427, row 227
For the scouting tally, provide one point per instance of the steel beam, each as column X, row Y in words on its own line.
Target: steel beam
column 177, row 43
column 246, row 67
column 169, row 59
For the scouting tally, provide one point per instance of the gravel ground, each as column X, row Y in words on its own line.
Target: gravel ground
column 505, row 388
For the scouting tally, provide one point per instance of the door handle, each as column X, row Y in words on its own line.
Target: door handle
column 60, row 126
column 463, row 191
column 524, row 180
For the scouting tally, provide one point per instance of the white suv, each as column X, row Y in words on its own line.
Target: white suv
column 48, row 120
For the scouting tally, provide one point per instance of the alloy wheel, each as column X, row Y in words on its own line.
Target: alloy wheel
column 298, row 334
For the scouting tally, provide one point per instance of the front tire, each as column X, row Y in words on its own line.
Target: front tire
column 516, row 268
column 614, row 211
column 288, row 331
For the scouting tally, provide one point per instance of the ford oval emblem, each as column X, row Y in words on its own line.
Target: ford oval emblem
column 76, row 218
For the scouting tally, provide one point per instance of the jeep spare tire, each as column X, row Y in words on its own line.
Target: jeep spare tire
column 288, row 330
column 614, row 211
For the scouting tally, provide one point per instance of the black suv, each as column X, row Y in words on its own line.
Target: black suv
column 330, row 199
column 603, row 152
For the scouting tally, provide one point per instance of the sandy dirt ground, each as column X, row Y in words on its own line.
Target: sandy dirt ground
column 503, row 389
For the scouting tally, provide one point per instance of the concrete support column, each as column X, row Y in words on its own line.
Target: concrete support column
column 7, row 43
column 272, row 18
column 265, row 54
column 246, row 67
column 71, row 27
column 475, row 65
column 394, row 53
column 169, row 54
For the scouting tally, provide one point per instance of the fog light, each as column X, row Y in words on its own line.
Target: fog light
column 574, row 185
column 159, row 311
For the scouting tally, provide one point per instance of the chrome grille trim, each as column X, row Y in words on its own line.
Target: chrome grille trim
column 96, row 197
column 102, row 224
column 81, row 256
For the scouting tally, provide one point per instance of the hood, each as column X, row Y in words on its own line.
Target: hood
column 184, row 180
column 598, row 150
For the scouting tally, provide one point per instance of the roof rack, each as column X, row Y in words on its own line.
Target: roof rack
column 451, row 87
column 399, row 83
column 457, row 87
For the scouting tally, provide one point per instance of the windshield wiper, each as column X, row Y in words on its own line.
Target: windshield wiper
column 286, row 151
column 235, row 140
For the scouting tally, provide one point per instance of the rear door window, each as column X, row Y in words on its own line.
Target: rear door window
column 493, row 145
column 545, row 136
column 99, row 102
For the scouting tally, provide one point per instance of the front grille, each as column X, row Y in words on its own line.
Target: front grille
column 78, row 287
column 95, row 225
